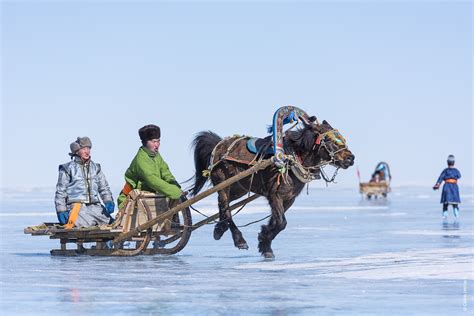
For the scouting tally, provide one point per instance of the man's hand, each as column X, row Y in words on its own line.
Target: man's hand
column 63, row 217
column 436, row 186
column 109, row 207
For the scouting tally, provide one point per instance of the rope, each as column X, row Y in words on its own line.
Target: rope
column 202, row 214
column 235, row 213
column 254, row 222
column 215, row 222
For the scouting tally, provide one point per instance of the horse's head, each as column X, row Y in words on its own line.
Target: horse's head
column 330, row 145
column 322, row 144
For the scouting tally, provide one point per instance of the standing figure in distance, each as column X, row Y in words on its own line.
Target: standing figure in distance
column 450, row 193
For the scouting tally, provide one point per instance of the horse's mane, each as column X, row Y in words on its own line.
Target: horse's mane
column 302, row 139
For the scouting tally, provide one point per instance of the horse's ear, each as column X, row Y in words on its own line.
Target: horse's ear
column 310, row 121
column 326, row 123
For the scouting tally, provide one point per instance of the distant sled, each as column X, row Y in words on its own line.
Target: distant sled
column 379, row 184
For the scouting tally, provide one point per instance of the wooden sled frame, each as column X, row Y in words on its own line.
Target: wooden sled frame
column 168, row 237
column 130, row 237
column 374, row 189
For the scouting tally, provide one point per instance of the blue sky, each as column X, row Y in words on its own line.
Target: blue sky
column 394, row 77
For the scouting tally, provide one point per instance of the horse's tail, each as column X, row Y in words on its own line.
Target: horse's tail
column 203, row 145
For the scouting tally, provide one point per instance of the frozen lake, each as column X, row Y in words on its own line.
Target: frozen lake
column 338, row 255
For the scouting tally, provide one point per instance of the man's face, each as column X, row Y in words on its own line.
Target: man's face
column 153, row 145
column 84, row 153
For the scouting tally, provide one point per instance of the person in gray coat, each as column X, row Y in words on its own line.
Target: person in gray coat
column 81, row 187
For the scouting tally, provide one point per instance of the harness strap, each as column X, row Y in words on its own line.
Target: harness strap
column 73, row 216
column 318, row 140
column 206, row 173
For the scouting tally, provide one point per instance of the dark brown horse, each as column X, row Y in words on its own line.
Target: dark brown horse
column 313, row 145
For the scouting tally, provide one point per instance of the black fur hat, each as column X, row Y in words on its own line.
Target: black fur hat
column 149, row 132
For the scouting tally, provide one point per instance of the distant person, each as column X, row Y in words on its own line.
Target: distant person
column 381, row 173
column 375, row 177
column 80, row 184
column 450, row 194
column 148, row 171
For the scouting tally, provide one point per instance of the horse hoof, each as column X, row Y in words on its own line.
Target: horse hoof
column 268, row 255
column 242, row 245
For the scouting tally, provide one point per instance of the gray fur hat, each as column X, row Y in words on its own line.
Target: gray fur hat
column 451, row 159
column 80, row 142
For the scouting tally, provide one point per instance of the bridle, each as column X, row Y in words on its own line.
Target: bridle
column 307, row 174
column 323, row 143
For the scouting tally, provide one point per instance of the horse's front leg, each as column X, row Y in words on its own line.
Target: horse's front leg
column 276, row 224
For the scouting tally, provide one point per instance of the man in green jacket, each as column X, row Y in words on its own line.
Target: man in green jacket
column 148, row 171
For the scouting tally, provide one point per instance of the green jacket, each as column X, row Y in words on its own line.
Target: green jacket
column 149, row 172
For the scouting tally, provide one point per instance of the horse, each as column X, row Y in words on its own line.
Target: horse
column 313, row 145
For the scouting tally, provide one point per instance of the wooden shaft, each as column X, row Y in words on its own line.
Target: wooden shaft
column 127, row 235
column 214, row 217
column 231, row 208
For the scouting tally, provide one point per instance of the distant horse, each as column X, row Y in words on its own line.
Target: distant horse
column 313, row 145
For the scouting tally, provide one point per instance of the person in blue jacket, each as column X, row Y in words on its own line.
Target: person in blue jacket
column 450, row 193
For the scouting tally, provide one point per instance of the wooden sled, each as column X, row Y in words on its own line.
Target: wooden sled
column 148, row 224
column 374, row 189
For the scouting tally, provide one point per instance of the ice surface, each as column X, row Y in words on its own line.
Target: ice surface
column 338, row 255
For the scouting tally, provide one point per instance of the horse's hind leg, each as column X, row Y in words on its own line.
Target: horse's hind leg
column 226, row 221
column 223, row 225
column 219, row 175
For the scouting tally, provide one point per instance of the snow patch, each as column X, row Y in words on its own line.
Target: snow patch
column 435, row 232
column 439, row 264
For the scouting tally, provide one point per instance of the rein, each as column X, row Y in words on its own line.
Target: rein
column 325, row 177
column 248, row 192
